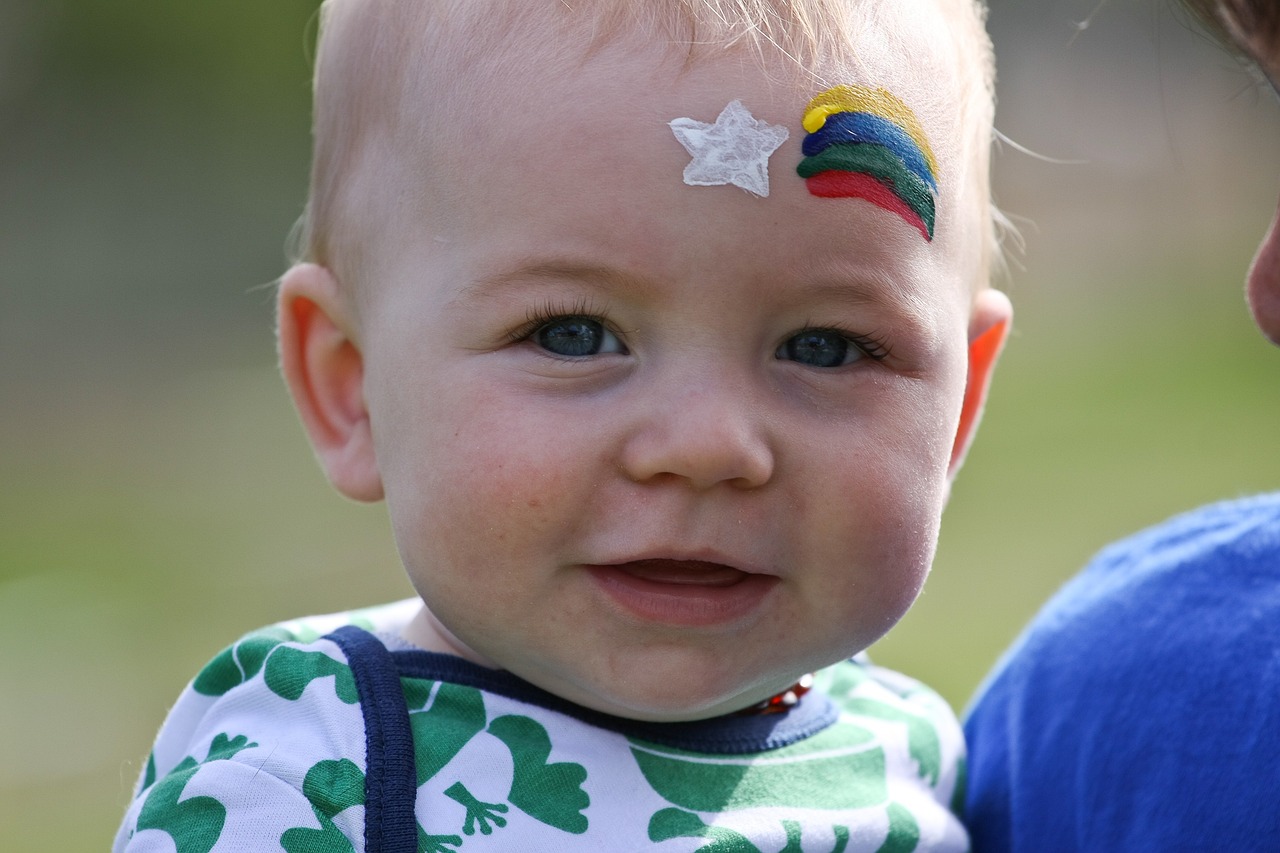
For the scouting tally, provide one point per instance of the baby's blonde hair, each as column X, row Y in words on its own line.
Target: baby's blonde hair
column 371, row 54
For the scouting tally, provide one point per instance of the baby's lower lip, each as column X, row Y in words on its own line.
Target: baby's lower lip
column 683, row 592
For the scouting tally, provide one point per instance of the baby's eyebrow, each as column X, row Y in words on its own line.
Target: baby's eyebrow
column 596, row 276
column 893, row 304
column 862, row 290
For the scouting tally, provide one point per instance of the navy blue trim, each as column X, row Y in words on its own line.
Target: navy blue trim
column 391, row 774
column 729, row 735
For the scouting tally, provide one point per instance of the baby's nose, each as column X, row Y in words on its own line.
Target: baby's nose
column 706, row 435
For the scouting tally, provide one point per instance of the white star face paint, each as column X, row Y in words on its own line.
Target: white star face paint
column 734, row 150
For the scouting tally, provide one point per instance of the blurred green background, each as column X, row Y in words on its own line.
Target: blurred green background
column 159, row 497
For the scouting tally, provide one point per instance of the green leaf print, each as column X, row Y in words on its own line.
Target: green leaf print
column 444, row 718
column 195, row 823
column 238, row 663
column 675, row 823
column 479, row 814
column 416, row 692
column 289, row 671
column 922, row 737
column 149, row 776
column 334, row 786
column 225, row 748
column 904, row 832
column 795, row 837
column 327, row 839
column 842, row 767
column 550, row 793
column 331, row 787
column 442, row 730
column 437, row 843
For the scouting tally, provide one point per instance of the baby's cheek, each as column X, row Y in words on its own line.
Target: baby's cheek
column 513, row 488
column 519, row 500
column 878, row 521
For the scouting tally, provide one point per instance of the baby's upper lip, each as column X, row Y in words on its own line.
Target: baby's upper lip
column 701, row 566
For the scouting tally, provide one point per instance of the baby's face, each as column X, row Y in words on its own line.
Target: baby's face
column 660, row 448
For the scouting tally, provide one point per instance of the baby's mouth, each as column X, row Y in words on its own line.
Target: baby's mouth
column 690, row 593
column 683, row 572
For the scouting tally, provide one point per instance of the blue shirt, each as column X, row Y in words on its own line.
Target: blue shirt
column 1140, row 710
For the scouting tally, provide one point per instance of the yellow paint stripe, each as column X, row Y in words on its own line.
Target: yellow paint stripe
column 881, row 102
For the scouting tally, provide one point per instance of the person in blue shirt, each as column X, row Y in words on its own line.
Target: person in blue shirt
column 1140, row 710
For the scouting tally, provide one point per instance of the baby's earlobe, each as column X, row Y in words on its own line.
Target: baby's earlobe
column 324, row 371
column 988, row 330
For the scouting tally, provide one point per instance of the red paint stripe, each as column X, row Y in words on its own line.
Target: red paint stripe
column 836, row 184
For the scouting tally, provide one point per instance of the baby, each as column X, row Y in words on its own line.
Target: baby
column 662, row 327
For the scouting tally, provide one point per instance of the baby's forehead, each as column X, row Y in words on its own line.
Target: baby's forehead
column 405, row 88
column 431, row 71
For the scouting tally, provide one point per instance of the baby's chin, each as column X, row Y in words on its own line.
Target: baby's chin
column 667, row 705
column 674, row 684
column 668, row 696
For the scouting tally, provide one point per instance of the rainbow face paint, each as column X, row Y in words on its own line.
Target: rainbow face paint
column 866, row 143
column 733, row 150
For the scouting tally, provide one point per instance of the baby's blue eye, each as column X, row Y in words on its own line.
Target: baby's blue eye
column 819, row 348
column 575, row 337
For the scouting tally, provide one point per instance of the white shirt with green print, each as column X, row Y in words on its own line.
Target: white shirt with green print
column 329, row 734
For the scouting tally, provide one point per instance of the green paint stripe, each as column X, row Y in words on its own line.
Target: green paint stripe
column 880, row 163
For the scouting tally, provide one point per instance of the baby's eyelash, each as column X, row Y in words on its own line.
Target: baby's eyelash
column 873, row 346
column 543, row 314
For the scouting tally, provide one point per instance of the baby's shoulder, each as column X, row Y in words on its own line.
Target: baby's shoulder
column 273, row 674
column 860, row 688
column 917, row 729
column 269, row 736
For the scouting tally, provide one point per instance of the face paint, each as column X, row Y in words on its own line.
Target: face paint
column 866, row 143
column 734, row 150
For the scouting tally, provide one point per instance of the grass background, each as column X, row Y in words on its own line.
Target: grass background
column 159, row 497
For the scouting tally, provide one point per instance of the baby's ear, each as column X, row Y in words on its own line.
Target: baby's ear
column 988, row 329
column 324, row 370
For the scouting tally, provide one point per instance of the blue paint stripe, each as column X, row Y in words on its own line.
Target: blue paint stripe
column 867, row 127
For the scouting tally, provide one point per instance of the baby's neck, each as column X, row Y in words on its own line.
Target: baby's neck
column 426, row 632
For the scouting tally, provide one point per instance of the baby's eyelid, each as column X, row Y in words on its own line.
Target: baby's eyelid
column 539, row 318
column 860, row 346
column 869, row 346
